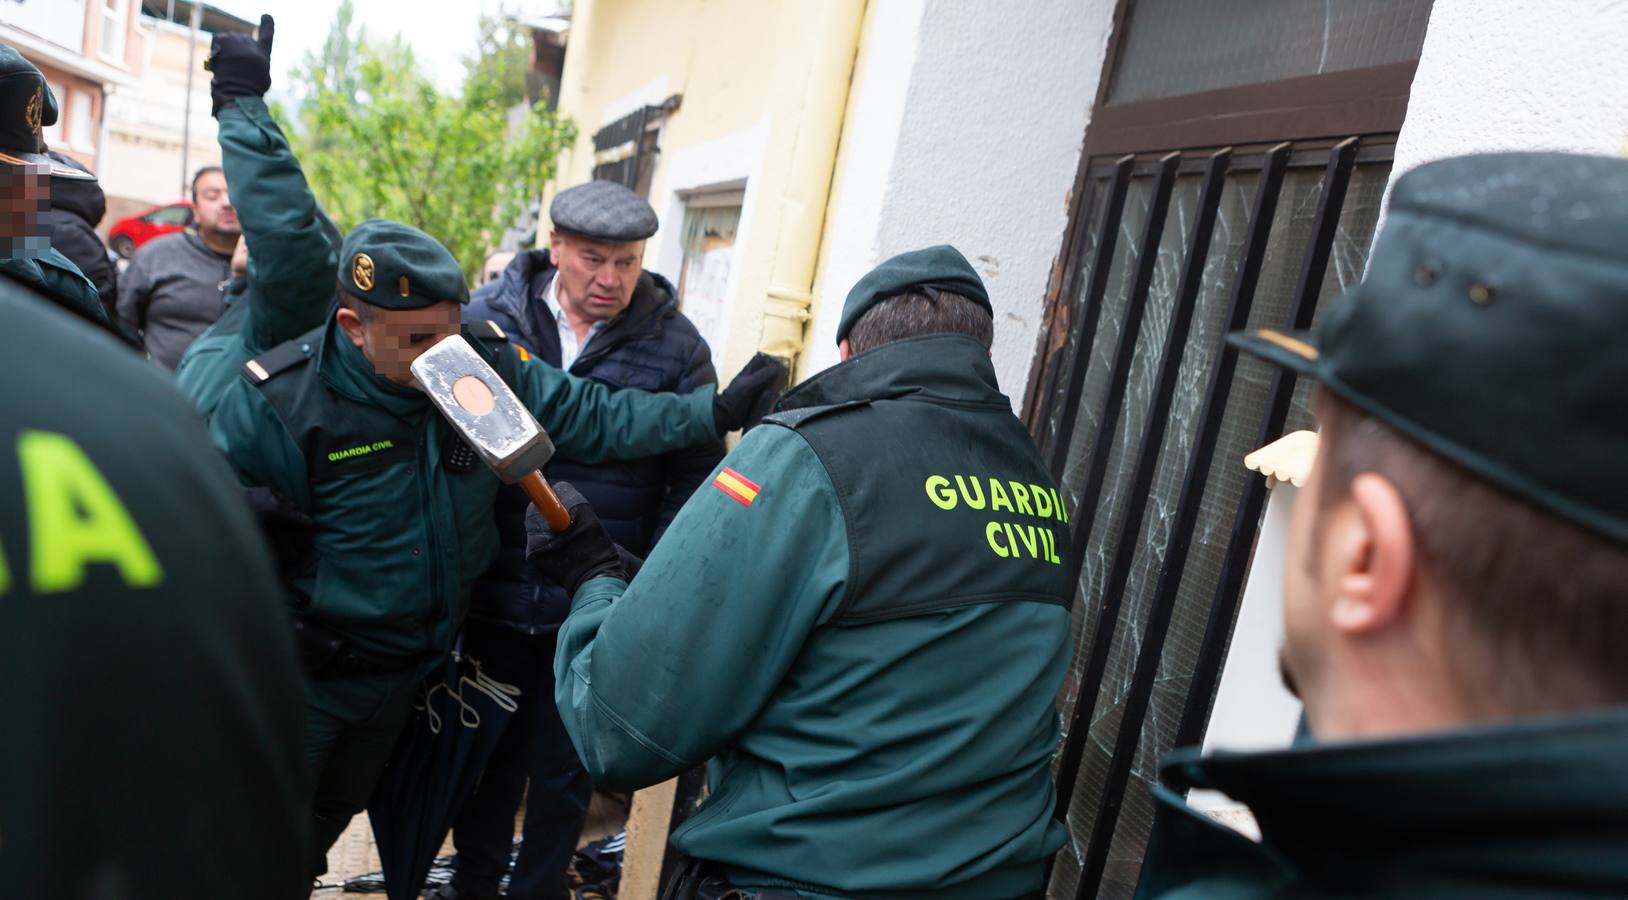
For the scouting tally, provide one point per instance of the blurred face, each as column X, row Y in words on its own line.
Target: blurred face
column 25, row 193
column 596, row 279
column 213, row 207
column 392, row 338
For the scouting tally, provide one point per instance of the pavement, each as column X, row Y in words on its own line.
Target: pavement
column 355, row 853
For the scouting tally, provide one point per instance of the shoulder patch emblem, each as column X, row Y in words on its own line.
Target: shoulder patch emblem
column 361, row 271
column 737, row 486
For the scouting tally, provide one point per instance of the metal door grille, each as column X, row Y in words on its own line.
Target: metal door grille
column 1147, row 430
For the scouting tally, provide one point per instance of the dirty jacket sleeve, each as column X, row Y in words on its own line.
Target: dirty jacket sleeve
column 591, row 423
column 656, row 676
column 258, row 445
column 293, row 247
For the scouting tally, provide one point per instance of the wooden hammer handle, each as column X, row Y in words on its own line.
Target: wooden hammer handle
column 554, row 512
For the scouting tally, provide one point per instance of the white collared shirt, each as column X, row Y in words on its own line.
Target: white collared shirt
column 569, row 348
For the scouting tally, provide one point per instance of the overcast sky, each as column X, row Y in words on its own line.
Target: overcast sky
column 440, row 33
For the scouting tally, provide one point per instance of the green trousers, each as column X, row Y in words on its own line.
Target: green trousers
column 352, row 723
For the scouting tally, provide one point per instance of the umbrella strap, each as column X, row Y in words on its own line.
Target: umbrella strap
column 500, row 693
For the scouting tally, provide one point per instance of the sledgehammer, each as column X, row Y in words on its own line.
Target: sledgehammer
column 486, row 412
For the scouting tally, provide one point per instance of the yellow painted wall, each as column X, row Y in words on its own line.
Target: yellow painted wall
column 781, row 66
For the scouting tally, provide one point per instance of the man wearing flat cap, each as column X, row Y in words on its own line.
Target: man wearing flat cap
column 584, row 305
column 401, row 509
column 1456, row 580
column 26, row 255
column 861, row 621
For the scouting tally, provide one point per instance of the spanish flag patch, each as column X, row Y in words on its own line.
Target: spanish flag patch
column 736, row 485
column 525, row 355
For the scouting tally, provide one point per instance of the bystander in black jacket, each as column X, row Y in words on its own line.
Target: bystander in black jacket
column 651, row 346
column 76, row 209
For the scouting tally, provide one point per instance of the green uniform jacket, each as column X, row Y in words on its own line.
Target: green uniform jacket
column 1535, row 809
column 402, row 529
column 54, row 277
column 293, row 255
column 152, row 719
column 863, row 621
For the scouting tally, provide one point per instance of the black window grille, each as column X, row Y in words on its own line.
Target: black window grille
column 1250, row 205
column 628, row 149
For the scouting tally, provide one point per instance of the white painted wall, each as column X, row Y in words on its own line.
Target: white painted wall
column 968, row 129
column 1519, row 75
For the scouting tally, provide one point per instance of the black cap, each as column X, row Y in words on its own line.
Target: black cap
column 1492, row 325
column 26, row 106
column 940, row 266
column 603, row 211
column 396, row 266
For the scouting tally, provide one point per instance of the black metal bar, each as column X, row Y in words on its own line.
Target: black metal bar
column 1224, row 603
column 1135, row 306
column 1136, row 701
column 1091, row 310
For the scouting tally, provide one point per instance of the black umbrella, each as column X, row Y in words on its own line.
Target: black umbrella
column 460, row 715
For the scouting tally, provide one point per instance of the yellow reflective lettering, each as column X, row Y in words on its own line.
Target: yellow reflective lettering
column 1021, row 495
column 977, row 488
column 997, row 497
column 938, row 491
column 1042, row 501
column 1026, row 534
column 76, row 519
column 990, row 532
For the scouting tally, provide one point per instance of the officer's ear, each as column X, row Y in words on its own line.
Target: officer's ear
column 845, row 349
column 351, row 323
column 1376, row 558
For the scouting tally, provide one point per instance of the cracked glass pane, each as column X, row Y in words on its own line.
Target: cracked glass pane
column 1292, row 230
column 1175, row 47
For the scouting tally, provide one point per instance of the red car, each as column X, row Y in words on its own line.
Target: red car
column 131, row 232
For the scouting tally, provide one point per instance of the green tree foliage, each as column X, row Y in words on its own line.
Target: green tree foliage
column 377, row 139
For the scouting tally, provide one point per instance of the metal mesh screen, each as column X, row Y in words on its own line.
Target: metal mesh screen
column 1174, row 47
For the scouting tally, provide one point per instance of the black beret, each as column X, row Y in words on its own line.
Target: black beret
column 396, row 266
column 1491, row 324
column 604, row 211
column 942, row 266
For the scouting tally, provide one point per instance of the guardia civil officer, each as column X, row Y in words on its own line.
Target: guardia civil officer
column 151, row 730
column 862, row 620
column 26, row 256
column 293, row 245
column 402, row 509
column 1456, row 581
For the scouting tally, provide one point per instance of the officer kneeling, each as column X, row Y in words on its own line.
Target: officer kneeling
column 871, row 671
column 1456, row 583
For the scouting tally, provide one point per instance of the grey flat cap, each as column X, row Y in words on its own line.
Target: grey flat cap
column 605, row 211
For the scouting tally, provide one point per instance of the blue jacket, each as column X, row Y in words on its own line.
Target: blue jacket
column 651, row 346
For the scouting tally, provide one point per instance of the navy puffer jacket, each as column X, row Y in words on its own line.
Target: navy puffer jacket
column 651, row 346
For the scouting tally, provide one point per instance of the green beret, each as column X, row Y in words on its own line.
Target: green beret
column 1491, row 327
column 396, row 266
column 941, row 267
column 26, row 107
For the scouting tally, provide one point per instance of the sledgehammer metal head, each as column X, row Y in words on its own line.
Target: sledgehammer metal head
column 486, row 412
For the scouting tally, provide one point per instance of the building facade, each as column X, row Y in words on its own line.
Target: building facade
column 1133, row 178
column 119, row 69
column 85, row 50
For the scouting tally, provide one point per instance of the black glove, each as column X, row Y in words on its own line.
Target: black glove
column 242, row 65
column 577, row 554
column 750, row 396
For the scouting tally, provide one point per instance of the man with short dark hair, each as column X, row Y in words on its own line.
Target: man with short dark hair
column 1456, row 580
column 173, row 288
column 862, row 621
